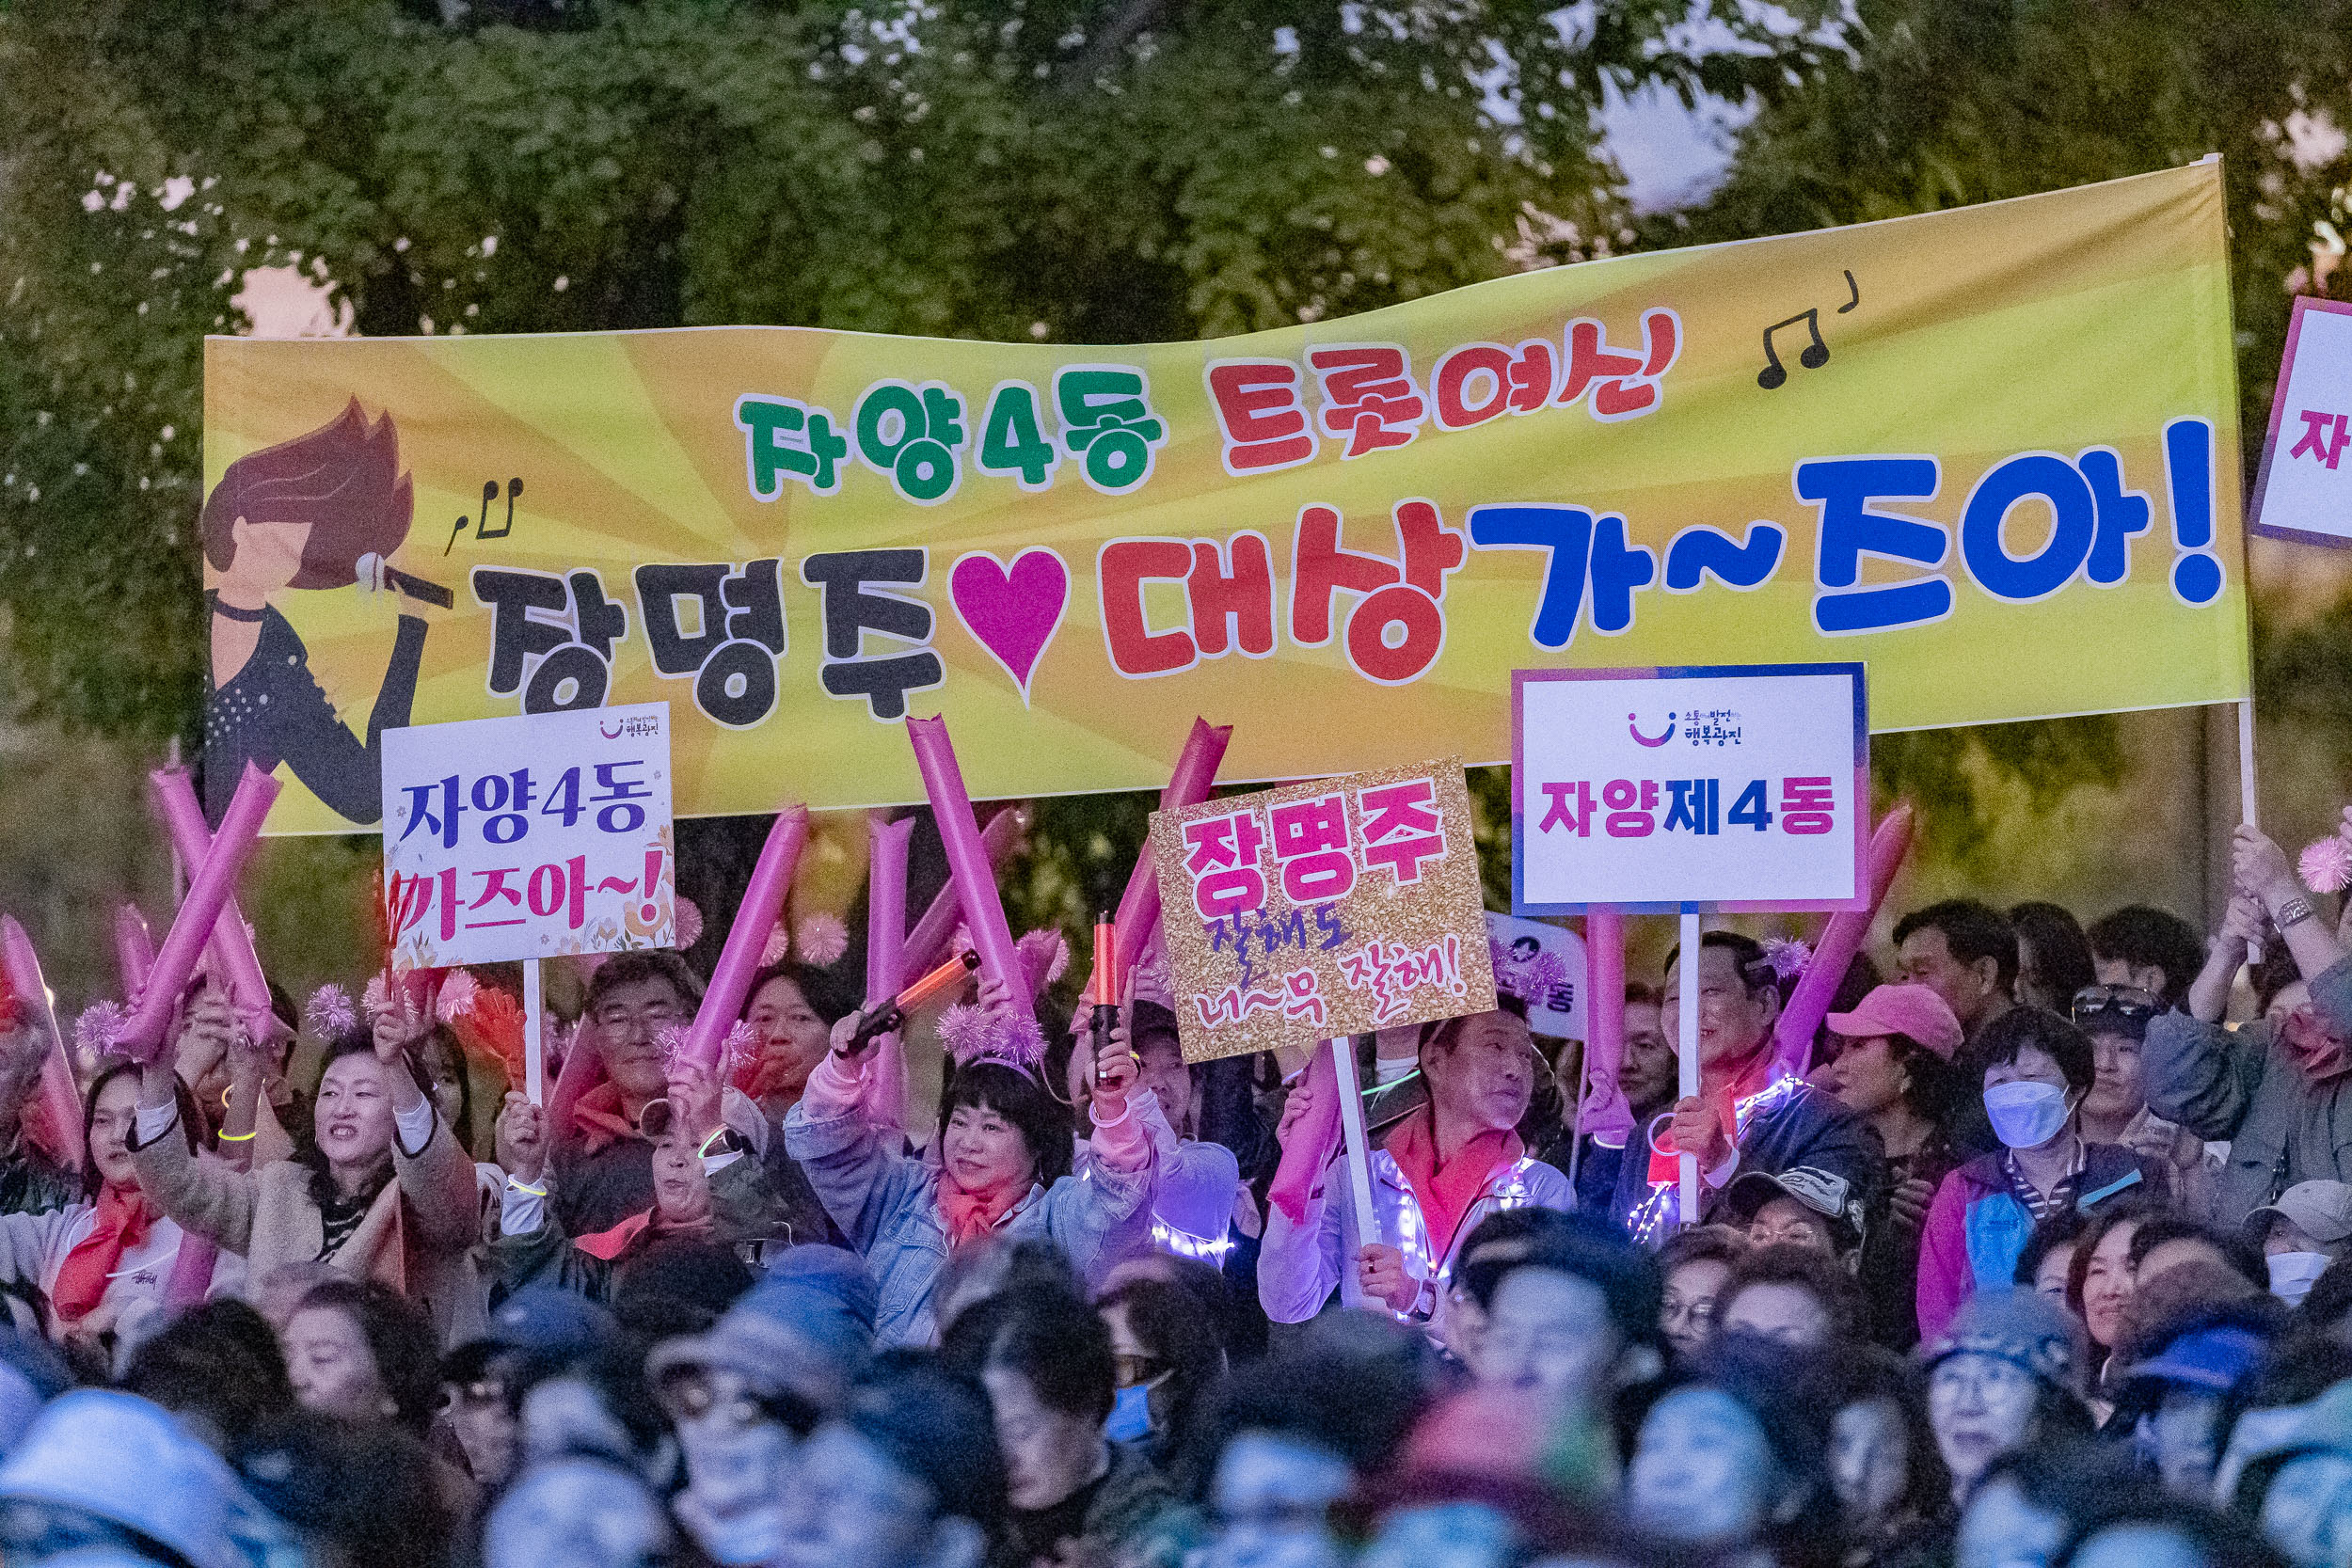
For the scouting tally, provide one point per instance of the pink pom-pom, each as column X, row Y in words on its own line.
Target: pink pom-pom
column 1531, row 980
column 2325, row 866
column 1786, row 955
column 671, row 1042
column 821, row 940
column 457, row 996
column 96, row 1031
column 378, row 997
column 687, row 924
column 739, row 1050
column 977, row 1035
column 1044, row 955
column 330, row 1012
column 778, row 947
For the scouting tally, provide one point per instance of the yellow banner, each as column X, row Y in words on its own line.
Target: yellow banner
column 1987, row 451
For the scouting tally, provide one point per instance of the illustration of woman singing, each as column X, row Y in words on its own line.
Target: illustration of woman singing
column 322, row 510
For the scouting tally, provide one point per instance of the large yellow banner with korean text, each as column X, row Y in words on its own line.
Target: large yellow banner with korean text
column 1985, row 451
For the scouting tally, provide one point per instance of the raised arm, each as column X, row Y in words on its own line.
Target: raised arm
column 849, row 1162
column 202, row 1193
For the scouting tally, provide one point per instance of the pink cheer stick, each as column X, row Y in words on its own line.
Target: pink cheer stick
column 1841, row 938
column 755, row 917
column 1188, row 785
column 57, row 1124
column 192, row 928
column 885, row 958
column 232, row 942
column 927, row 944
column 135, row 950
column 968, row 865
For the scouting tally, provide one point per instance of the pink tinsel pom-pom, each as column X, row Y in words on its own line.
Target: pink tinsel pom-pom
column 1045, row 947
column 330, row 1012
column 378, row 997
column 688, row 924
column 671, row 1042
column 457, row 994
column 2325, row 866
column 96, row 1030
column 739, row 1050
column 1786, row 955
column 778, row 947
column 821, row 939
column 977, row 1035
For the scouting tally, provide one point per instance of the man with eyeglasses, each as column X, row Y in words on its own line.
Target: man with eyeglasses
column 603, row 1162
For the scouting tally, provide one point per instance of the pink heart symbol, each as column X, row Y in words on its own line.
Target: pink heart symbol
column 1013, row 614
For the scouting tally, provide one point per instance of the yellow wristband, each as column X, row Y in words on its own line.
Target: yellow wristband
column 536, row 1192
column 240, row 1137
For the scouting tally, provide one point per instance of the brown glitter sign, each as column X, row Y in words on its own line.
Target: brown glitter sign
column 1326, row 909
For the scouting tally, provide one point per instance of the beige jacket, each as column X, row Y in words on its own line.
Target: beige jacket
column 415, row 1238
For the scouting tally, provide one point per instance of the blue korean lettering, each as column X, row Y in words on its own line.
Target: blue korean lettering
column 2074, row 526
column 1565, row 534
column 1617, row 571
column 1700, row 552
column 2123, row 515
column 1843, row 487
column 625, row 815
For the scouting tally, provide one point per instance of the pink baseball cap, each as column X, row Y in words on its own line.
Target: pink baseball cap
column 1912, row 1010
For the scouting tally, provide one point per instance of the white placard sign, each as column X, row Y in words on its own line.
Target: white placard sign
column 1726, row 788
column 1556, row 1008
column 531, row 836
column 2304, row 490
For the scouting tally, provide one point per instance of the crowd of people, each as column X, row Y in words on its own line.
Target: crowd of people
column 2034, row 1259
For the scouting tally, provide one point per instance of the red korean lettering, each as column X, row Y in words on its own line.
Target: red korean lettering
column 1624, row 383
column 1233, row 588
column 1310, row 845
column 1570, row 806
column 1259, row 415
column 1395, row 631
column 1402, row 827
column 1222, row 858
column 1368, row 395
column 1120, row 571
column 1475, row 383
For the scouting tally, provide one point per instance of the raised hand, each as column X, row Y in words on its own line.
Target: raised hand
column 1380, row 1271
column 521, row 1139
column 2258, row 866
column 1697, row 1130
column 694, row 1094
column 1296, row 1107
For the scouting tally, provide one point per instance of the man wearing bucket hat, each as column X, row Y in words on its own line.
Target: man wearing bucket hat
column 745, row 1394
column 2007, row 1372
column 2305, row 1230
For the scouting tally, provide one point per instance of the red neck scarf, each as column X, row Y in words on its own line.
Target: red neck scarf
column 972, row 1215
column 1447, row 1192
column 123, row 1219
column 1748, row 1082
column 628, row 1236
column 598, row 1119
column 2319, row 1054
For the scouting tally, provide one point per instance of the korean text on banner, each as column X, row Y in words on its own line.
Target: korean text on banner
column 2304, row 489
column 1326, row 909
column 1740, row 786
column 530, row 838
column 1990, row 439
column 1556, row 1010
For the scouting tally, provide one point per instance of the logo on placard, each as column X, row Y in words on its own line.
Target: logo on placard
column 1634, row 727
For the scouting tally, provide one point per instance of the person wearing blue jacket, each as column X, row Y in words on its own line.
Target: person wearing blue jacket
column 1751, row 1114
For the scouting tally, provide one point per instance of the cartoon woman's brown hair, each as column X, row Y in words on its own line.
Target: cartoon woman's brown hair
column 343, row 479
column 305, row 514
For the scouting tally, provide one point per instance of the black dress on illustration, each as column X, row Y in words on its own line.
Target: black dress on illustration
column 324, row 511
column 274, row 711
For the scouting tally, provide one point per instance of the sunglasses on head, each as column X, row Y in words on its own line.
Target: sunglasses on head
column 2130, row 1001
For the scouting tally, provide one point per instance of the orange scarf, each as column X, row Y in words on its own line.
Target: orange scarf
column 123, row 1219
column 598, row 1121
column 972, row 1215
column 1448, row 1192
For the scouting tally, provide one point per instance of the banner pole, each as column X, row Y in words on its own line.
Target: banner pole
column 2247, row 810
column 1688, row 1056
column 1359, row 1164
column 534, row 1047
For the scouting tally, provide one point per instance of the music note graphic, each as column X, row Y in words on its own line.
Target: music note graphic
column 1815, row 354
column 489, row 494
column 484, row 530
column 1812, row 357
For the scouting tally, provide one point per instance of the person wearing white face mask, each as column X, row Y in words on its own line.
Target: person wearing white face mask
column 2036, row 1069
column 2305, row 1230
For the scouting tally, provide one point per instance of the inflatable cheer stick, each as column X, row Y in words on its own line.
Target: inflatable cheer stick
column 885, row 958
column 1188, row 785
column 135, row 950
column 1602, row 1113
column 927, row 944
column 968, row 865
column 55, row 1123
column 1841, row 938
column 192, row 928
column 755, row 917
column 232, row 942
